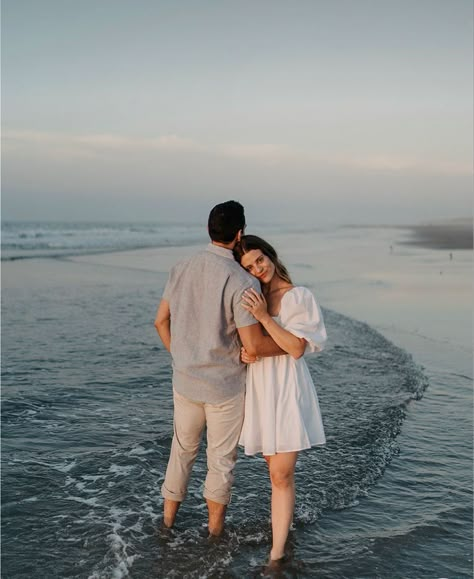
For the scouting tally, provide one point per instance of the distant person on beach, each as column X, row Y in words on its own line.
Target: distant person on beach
column 282, row 413
column 203, row 325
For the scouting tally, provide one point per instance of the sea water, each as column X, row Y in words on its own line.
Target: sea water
column 87, row 419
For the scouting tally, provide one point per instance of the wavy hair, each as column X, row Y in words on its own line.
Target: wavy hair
column 249, row 242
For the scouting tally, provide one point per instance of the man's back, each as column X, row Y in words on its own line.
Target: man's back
column 204, row 294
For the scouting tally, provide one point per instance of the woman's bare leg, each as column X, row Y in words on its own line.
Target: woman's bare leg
column 282, row 475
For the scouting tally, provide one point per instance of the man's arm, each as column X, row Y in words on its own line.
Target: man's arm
column 163, row 323
column 256, row 344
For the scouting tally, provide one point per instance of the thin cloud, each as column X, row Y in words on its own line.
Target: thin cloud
column 265, row 154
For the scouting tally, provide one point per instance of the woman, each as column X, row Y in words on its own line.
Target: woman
column 282, row 413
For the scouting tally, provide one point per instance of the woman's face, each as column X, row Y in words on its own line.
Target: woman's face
column 259, row 265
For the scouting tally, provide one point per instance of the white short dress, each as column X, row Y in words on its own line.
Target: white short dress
column 281, row 405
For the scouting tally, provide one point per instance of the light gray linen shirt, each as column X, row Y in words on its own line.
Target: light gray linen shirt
column 204, row 294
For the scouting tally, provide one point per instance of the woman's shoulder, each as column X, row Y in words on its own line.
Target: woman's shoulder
column 299, row 306
column 296, row 299
column 298, row 293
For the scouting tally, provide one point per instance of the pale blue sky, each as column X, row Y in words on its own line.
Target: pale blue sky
column 318, row 111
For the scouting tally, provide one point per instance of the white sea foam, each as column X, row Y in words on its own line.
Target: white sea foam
column 65, row 467
column 43, row 239
column 121, row 470
column 139, row 450
column 359, row 447
column 118, row 513
column 137, row 527
column 81, row 486
column 119, row 548
column 92, row 478
column 92, row 502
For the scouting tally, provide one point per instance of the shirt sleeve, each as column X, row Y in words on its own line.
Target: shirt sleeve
column 169, row 287
column 302, row 316
column 242, row 317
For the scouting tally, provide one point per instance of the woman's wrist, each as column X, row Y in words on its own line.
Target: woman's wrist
column 265, row 319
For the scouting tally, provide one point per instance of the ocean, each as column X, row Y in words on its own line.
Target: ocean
column 87, row 410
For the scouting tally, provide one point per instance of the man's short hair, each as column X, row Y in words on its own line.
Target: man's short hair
column 225, row 221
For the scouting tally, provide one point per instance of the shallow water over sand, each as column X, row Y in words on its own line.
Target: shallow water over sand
column 87, row 422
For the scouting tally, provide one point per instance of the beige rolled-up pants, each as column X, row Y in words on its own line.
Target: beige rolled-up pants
column 224, row 423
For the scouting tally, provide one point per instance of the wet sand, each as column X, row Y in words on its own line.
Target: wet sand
column 451, row 235
column 353, row 271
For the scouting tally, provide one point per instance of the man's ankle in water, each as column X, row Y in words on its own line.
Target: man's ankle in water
column 216, row 517
column 170, row 509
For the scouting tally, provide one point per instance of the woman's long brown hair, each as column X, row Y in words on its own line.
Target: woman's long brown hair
column 249, row 242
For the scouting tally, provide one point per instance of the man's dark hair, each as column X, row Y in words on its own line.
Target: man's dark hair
column 225, row 221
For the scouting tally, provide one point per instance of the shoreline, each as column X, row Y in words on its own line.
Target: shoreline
column 356, row 273
column 452, row 234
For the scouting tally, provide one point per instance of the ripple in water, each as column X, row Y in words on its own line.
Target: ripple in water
column 84, row 466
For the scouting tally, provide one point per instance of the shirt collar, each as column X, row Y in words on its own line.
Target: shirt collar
column 222, row 251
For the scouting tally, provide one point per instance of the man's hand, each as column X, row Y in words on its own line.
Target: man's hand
column 256, row 344
column 246, row 358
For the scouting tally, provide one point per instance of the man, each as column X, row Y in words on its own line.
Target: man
column 200, row 321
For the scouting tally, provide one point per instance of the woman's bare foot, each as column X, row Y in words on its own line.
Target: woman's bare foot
column 275, row 557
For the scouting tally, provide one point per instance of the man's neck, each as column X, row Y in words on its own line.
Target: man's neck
column 230, row 245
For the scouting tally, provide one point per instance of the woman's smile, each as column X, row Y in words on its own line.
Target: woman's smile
column 259, row 265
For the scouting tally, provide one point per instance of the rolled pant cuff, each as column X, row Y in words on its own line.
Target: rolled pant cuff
column 167, row 494
column 222, row 500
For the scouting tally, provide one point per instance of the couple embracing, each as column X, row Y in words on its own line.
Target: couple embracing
column 237, row 328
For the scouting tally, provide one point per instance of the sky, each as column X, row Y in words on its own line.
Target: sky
column 309, row 111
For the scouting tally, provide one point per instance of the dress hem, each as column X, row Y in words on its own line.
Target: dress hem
column 281, row 451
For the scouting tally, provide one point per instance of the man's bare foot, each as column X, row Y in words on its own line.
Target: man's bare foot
column 170, row 508
column 216, row 517
column 164, row 534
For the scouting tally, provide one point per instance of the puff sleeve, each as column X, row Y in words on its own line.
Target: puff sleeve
column 301, row 315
